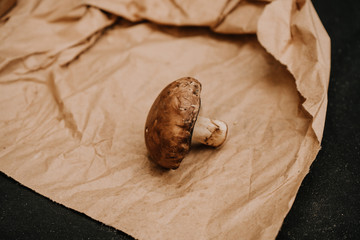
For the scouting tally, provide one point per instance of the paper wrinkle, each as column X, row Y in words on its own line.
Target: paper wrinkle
column 76, row 89
column 301, row 34
column 243, row 18
column 174, row 12
column 5, row 6
column 41, row 54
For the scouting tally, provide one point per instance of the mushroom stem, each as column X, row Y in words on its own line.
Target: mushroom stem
column 210, row 132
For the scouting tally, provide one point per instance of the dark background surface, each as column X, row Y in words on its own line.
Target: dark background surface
column 327, row 205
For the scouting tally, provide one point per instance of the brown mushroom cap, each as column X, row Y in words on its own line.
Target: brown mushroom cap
column 170, row 122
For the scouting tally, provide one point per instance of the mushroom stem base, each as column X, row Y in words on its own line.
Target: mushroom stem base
column 210, row 132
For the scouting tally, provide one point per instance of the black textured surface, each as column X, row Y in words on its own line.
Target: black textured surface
column 25, row 214
column 326, row 206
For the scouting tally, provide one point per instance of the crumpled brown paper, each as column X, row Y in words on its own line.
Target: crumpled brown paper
column 77, row 79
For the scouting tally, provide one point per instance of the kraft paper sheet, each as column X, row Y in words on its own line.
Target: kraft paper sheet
column 77, row 79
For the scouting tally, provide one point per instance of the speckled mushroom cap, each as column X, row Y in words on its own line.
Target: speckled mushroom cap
column 170, row 122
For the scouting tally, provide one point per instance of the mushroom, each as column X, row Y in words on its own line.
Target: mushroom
column 173, row 122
